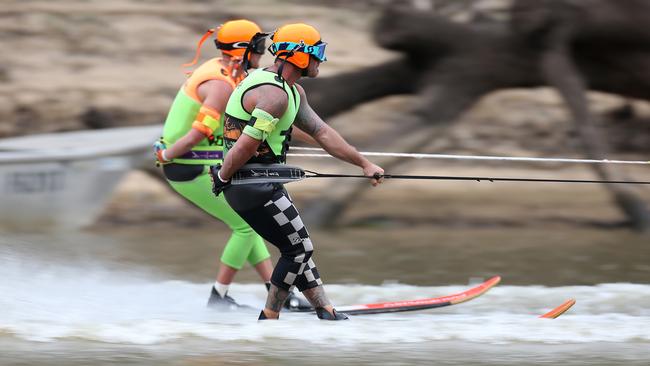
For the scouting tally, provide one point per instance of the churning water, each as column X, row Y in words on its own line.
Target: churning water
column 55, row 313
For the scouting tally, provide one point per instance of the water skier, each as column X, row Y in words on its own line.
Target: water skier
column 259, row 119
column 192, row 140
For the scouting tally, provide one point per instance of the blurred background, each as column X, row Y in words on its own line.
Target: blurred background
column 86, row 85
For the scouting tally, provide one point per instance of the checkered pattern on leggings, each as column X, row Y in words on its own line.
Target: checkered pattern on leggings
column 295, row 267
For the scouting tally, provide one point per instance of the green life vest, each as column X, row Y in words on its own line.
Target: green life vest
column 273, row 149
column 179, row 121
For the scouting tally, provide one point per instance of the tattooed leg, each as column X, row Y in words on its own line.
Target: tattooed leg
column 274, row 301
column 318, row 299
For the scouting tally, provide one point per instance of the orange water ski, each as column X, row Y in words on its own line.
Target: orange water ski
column 559, row 310
column 421, row 304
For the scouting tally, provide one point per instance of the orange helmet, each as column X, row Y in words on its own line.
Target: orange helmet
column 298, row 41
column 233, row 37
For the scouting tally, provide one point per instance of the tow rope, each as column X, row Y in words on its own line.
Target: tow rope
column 320, row 153
column 282, row 173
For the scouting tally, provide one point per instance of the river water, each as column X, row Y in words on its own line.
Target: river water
column 130, row 296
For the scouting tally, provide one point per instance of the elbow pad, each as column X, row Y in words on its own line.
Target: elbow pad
column 260, row 125
column 207, row 121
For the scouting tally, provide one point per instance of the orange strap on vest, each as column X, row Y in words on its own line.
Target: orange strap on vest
column 207, row 121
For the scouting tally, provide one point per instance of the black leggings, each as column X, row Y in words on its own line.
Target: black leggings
column 269, row 210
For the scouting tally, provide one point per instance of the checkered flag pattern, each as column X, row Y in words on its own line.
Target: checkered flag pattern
column 295, row 267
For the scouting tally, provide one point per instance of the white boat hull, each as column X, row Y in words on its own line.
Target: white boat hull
column 65, row 187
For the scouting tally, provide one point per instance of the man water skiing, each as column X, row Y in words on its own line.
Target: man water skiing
column 192, row 140
column 259, row 119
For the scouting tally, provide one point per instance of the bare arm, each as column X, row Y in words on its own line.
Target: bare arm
column 215, row 94
column 270, row 99
column 184, row 144
column 308, row 121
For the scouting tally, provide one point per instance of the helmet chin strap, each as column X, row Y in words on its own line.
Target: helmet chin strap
column 289, row 54
column 284, row 61
column 303, row 72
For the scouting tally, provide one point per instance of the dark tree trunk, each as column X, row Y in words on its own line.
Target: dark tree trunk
column 561, row 72
column 573, row 46
column 338, row 93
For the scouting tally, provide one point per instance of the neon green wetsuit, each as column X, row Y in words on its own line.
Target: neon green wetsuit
column 189, row 176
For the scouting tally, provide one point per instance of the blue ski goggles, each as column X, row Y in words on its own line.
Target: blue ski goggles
column 317, row 50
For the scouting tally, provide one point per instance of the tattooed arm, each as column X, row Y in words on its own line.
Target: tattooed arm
column 308, row 121
column 298, row 135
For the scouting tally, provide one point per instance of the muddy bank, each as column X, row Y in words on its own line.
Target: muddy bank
column 92, row 64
